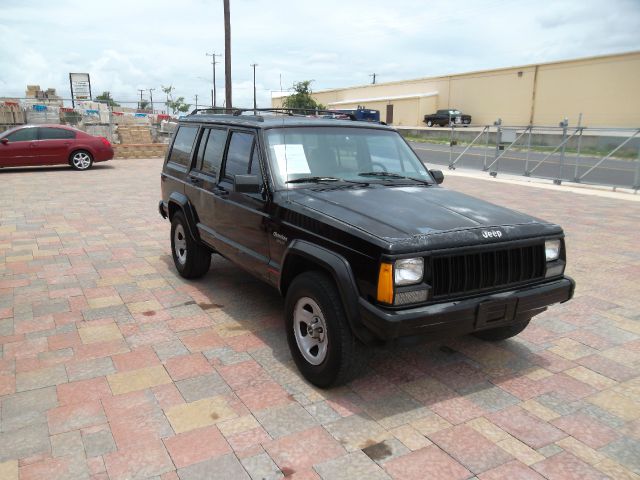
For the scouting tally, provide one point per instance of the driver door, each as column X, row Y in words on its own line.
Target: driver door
column 20, row 148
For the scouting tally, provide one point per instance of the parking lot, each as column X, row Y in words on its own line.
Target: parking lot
column 112, row 366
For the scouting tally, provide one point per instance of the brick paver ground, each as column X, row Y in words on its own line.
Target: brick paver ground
column 112, row 366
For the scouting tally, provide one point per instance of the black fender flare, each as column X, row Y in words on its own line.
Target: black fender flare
column 181, row 202
column 340, row 270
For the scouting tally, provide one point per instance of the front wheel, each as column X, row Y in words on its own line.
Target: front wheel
column 192, row 260
column 81, row 160
column 501, row 333
column 429, row 123
column 321, row 343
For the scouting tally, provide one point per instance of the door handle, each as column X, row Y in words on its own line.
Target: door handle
column 220, row 192
column 194, row 180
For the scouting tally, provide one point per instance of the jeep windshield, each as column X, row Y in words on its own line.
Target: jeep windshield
column 300, row 155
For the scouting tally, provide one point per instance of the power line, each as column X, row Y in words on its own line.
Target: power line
column 373, row 75
column 140, row 104
column 214, row 63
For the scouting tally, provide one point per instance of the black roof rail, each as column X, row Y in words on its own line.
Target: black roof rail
column 288, row 111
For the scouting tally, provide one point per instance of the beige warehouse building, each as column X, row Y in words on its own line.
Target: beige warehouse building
column 605, row 89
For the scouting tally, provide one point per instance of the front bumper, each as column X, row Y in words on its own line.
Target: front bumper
column 468, row 315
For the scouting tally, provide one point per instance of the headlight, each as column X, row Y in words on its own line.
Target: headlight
column 408, row 271
column 552, row 250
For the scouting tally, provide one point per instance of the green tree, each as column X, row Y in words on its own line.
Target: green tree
column 178, row 105
column 106, row 98
column 302, row 97
column 145, row 105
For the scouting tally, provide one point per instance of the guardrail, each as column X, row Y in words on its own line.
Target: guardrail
column 580, row 154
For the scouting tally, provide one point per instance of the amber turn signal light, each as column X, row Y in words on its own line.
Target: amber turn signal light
column 385, row 283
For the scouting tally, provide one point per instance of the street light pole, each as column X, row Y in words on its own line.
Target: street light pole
column 227, row 55
column 254, row 65
column 214, row 63
column 151, row 97
column 140, row 104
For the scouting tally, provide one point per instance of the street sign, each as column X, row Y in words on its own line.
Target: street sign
column 80, row 86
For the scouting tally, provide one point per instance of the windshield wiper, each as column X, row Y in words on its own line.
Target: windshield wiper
column 313, row 180
column 392, row 175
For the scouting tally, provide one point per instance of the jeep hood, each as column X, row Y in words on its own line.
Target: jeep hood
column 399, row 214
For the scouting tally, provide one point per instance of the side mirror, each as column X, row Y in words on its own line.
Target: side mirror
column 247, row 183
column 4, row 141
column 437, row 175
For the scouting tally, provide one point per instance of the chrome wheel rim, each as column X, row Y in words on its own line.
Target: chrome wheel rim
column 180, row 244
column 310, row 330
column 81, row 161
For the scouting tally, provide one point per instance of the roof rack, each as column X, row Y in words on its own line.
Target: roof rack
column 288, row 111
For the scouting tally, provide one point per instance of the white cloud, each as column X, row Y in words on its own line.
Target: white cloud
column 128, row 45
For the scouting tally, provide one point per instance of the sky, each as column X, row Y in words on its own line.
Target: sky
column 139, row 44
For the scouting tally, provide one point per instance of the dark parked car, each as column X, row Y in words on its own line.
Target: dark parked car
column 447, row 117
column 347, row 223
column 36, row 145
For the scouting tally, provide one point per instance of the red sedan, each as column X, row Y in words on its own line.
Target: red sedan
column 34, row 145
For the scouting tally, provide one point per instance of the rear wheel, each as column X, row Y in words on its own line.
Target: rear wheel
column 321, row 343
column 501, row 333
column 81, row 160
column 192, row 259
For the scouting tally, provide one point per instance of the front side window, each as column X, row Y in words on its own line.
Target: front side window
column 341, row 153
column 239, row 154
column 48, row 133
column 23, row 135
column 182, row 145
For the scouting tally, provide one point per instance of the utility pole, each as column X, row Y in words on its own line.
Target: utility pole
column 213, row 63
column 227, row 54
column 254, row 65
column 151, row 97
column 140, row 104
column 196, row 97
column 373, row 76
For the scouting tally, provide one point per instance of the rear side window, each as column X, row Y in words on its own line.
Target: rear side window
column 182, row 145
column 239, row 154
column 47, row 133
column 23, row 135
column 213, row 150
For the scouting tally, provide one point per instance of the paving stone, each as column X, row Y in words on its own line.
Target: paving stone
column 357, row 431
column 75, row 416
column 322, row 412
column 219, row 468
column 98, row 441
column 564, row 465
column 45, row 377
column 284, row 420
column 524, row 426
column 139, row 463
column 394, row 410
column 414, row 465
column 27, row 408
column 9, row 470
column 140, row 379
column 626, row 451
column 261, row 467
column 201, row 413
column 490, row 397
column 170, row 349
column 92, row 368
column 384, row 451
column 196, row 446
column 25, row 442
column 202, row 386
column 67, row 444
column 353, row 465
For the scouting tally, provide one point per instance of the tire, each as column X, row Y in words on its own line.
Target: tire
column 192, row 260
column 501, row 333
column 313, row 306
column 81, row 160
column 429, row 123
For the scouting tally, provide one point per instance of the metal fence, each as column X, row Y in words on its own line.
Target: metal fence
column 580, row 154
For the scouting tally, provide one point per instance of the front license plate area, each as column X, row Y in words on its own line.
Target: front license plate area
column 495, row 312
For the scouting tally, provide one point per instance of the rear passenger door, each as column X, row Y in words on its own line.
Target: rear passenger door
column 241, row 219
column 179, row 159
column 202, row 180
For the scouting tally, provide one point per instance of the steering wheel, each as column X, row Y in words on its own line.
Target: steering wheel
column 378, row 164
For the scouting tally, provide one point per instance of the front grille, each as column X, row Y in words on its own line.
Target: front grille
column 471, row 272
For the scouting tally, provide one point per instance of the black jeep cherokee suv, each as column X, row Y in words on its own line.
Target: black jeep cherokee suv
column 357, row 235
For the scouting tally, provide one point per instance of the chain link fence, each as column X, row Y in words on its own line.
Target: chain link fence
column 579, row 154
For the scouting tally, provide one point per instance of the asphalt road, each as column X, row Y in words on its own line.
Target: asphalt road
column 613, row 172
